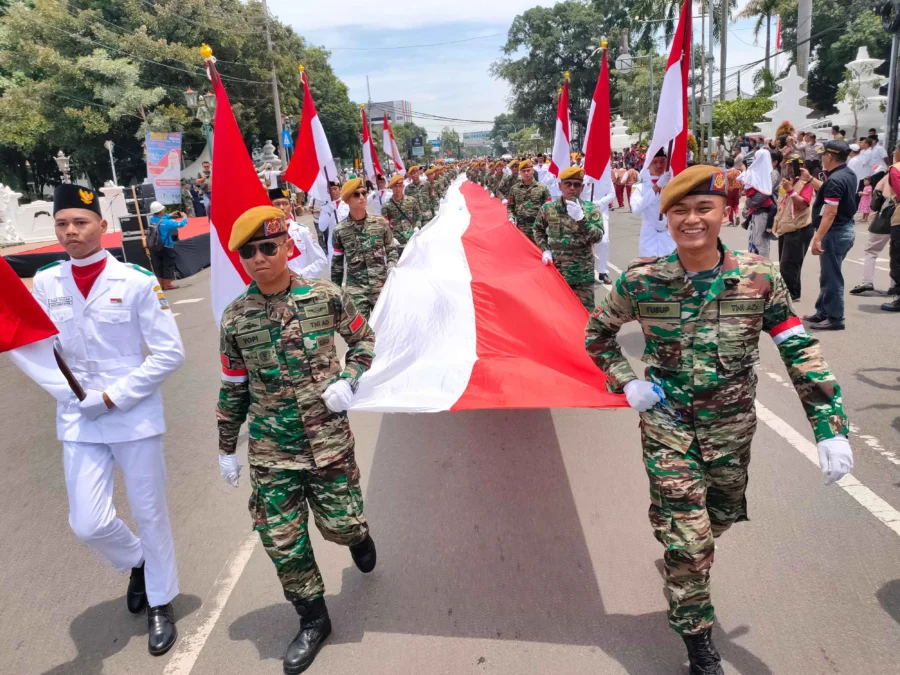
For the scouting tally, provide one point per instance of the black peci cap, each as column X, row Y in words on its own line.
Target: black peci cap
column 68, row 196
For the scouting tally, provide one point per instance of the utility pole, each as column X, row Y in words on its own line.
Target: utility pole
column 723, row 41
column 804, row 24
column 709, row 137
column 693, row 92
column 275, row 99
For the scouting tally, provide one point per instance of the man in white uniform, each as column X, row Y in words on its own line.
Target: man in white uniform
column 311, row 261
column 594, row 192
column 332, row 213
column 655, row 238
column 378, row 197
column 107, row 313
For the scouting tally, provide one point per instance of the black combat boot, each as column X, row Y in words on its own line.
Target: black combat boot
column 315, row 626
column 136, row 597
column 161, row 621
column 702, row 654
column 363, row 555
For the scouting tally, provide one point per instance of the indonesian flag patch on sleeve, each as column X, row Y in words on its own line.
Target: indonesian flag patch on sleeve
column 357, row 323
column 786, row 329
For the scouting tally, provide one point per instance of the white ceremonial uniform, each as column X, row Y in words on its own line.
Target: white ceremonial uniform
column 312, row 262
column 377, row 199
column 601, row 248
column 332, row 213
column 655, row 238
column 103, row 337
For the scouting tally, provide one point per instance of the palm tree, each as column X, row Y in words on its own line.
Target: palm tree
column 762, row 11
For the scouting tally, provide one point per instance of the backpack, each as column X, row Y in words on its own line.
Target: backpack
column 154, row 240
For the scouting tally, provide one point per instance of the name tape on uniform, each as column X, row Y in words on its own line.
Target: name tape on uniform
column 259, row 337
column 659, row 310
column 313, row 325
column 742, row 307
column 60, row 302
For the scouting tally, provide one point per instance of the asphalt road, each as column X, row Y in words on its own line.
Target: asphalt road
column 511, row 542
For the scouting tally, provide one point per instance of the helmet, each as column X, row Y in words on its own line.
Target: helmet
column 156, row 207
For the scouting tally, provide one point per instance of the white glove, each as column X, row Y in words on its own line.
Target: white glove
column 664, row 179
column 93, row 404
column 338, row 396
column 835, row 458
column 574, row 210
column 505, row 202
column 512, row 220
column 547, row 257
column 643, row 395
column 230, row 469
column 492, row 195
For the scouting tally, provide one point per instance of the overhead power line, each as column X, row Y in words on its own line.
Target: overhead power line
column 432, row 44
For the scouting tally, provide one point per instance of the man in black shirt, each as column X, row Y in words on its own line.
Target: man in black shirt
column 832, row 219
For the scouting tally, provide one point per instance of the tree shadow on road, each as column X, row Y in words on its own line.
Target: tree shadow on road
column 106, row 629
column 479, row 537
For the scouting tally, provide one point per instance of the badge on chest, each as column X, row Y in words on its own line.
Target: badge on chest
column 742, row 307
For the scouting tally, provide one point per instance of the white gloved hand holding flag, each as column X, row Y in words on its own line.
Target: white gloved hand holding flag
column 574, row 210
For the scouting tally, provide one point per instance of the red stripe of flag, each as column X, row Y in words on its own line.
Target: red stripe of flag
column 22, row 319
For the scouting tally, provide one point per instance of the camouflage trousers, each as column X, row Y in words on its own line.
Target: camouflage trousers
column 526, row 227
column 278, row 505
column 692, row 502
column 585, row 293
column 365, row 298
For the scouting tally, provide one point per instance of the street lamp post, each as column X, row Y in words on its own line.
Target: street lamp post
column 624, row 65
column 62, row 162
column 204, row 109
column 109, row 145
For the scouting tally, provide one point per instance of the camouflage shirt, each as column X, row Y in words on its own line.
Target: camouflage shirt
column 525, row 203
column 403, row 216
column 506, row 184
column 278, row 357
column 702, row 343
column 570, row 240
column 369, row 248
column 424, row 196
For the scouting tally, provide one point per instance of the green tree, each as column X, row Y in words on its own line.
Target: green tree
column 522, row 140
column 450, row 142
column 505, row 125
column 632, row 93
column 762, row 11
column 404, row 133
column 732, row 119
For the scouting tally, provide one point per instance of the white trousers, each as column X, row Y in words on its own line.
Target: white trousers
column 874, row 246
column 601, row 248
column 92, row 515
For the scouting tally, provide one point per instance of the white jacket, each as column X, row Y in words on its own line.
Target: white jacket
column 312, row 263
column 655, row 238
column 332, row 214
column 103, row 339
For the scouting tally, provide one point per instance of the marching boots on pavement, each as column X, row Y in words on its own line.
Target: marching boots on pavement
column 280, row 369
column 703, row 657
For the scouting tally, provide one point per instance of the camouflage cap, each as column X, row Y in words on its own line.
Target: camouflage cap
column 695, row 180
column 260, row 222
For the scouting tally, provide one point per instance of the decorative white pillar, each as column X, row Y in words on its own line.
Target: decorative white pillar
column 9, row 206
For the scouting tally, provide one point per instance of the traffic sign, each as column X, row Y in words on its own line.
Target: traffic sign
column 286, row 139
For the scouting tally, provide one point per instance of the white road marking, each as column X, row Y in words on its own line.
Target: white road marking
column 187, row 301
column 614, row 268
column 177, row 314
column 874, row 504
column 190, row 645
column 875, row 444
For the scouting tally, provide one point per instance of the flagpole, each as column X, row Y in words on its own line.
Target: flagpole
column 275, row 98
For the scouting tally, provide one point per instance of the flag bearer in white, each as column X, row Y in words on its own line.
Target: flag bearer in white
column 655, row 238
column 107, row 312
column 378, row 197
column 332, row 213
column 593, row 192
column 312, row 262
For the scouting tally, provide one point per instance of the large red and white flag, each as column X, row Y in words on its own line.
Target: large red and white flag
column 370, row 153
column 235, row 189
column 391, row 149
column 671, row 130
column 312, row 165
column 27, row 334
column 561, row 158
column 471, row 319
column 598, row 137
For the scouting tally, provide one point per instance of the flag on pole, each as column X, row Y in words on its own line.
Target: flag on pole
column 597, row 137
column 370, row 154
column 778, row 35
column 27, row 334
column 671, row 129
column 560, row 158
column 391, row 149
column 312, row 165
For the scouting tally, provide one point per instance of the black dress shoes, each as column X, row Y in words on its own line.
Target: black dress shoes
column 161, row 621
column 136, row 598
column 315, row 627
column 363, row 555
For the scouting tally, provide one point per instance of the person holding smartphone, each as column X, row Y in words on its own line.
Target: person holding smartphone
column 163, row 248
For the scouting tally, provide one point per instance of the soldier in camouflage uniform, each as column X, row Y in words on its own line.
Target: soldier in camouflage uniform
column 280, row 369
column 702, row 310
column 367, row 244
column 525, row 200
column 508, row 181
column 187, row 202
column 566, row 230
column 421, row 192
column 402, row 213
column 495, row 178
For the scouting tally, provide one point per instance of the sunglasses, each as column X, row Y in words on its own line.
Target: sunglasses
column 267, row 248
column 572, row 183
column 360, row 193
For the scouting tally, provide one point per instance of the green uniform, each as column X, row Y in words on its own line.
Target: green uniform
column 506, row 184
column 702, row 342
column 570, row 241
column 524, row 205
column 423, row 194
column 369, row 249
column 404, row 218
column 278, row 357
column 187, row 202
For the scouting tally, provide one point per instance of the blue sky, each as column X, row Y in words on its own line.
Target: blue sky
column 450, row 80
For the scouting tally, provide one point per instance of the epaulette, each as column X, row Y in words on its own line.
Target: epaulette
column 141, row 269
column 49, row 265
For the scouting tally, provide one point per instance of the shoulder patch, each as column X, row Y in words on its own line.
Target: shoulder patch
column 141, row 269
column 55, row 263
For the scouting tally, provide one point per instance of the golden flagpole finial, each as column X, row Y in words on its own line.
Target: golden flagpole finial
column 205, row 51
column 301, row 68
column 566, row 75
column 603, row 44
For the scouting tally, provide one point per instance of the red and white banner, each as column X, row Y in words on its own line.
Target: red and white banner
column 671, row 130
column 235, row 189
column 370, row 153
column 312, row 165
column 391, row 149
column 471, row 319
column 561, row 158
column 27, row 334
column 598, row 136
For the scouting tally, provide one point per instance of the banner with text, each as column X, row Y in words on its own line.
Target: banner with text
column 164, row 165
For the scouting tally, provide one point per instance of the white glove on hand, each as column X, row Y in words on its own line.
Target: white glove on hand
column 512, row 220
column 505, row 202
column 547, row 258
column 492, row 195
column 643, row 395
column 574, row 210
column 835, row 458
column 230, row 469
column 338, row 396
column 93, row 404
